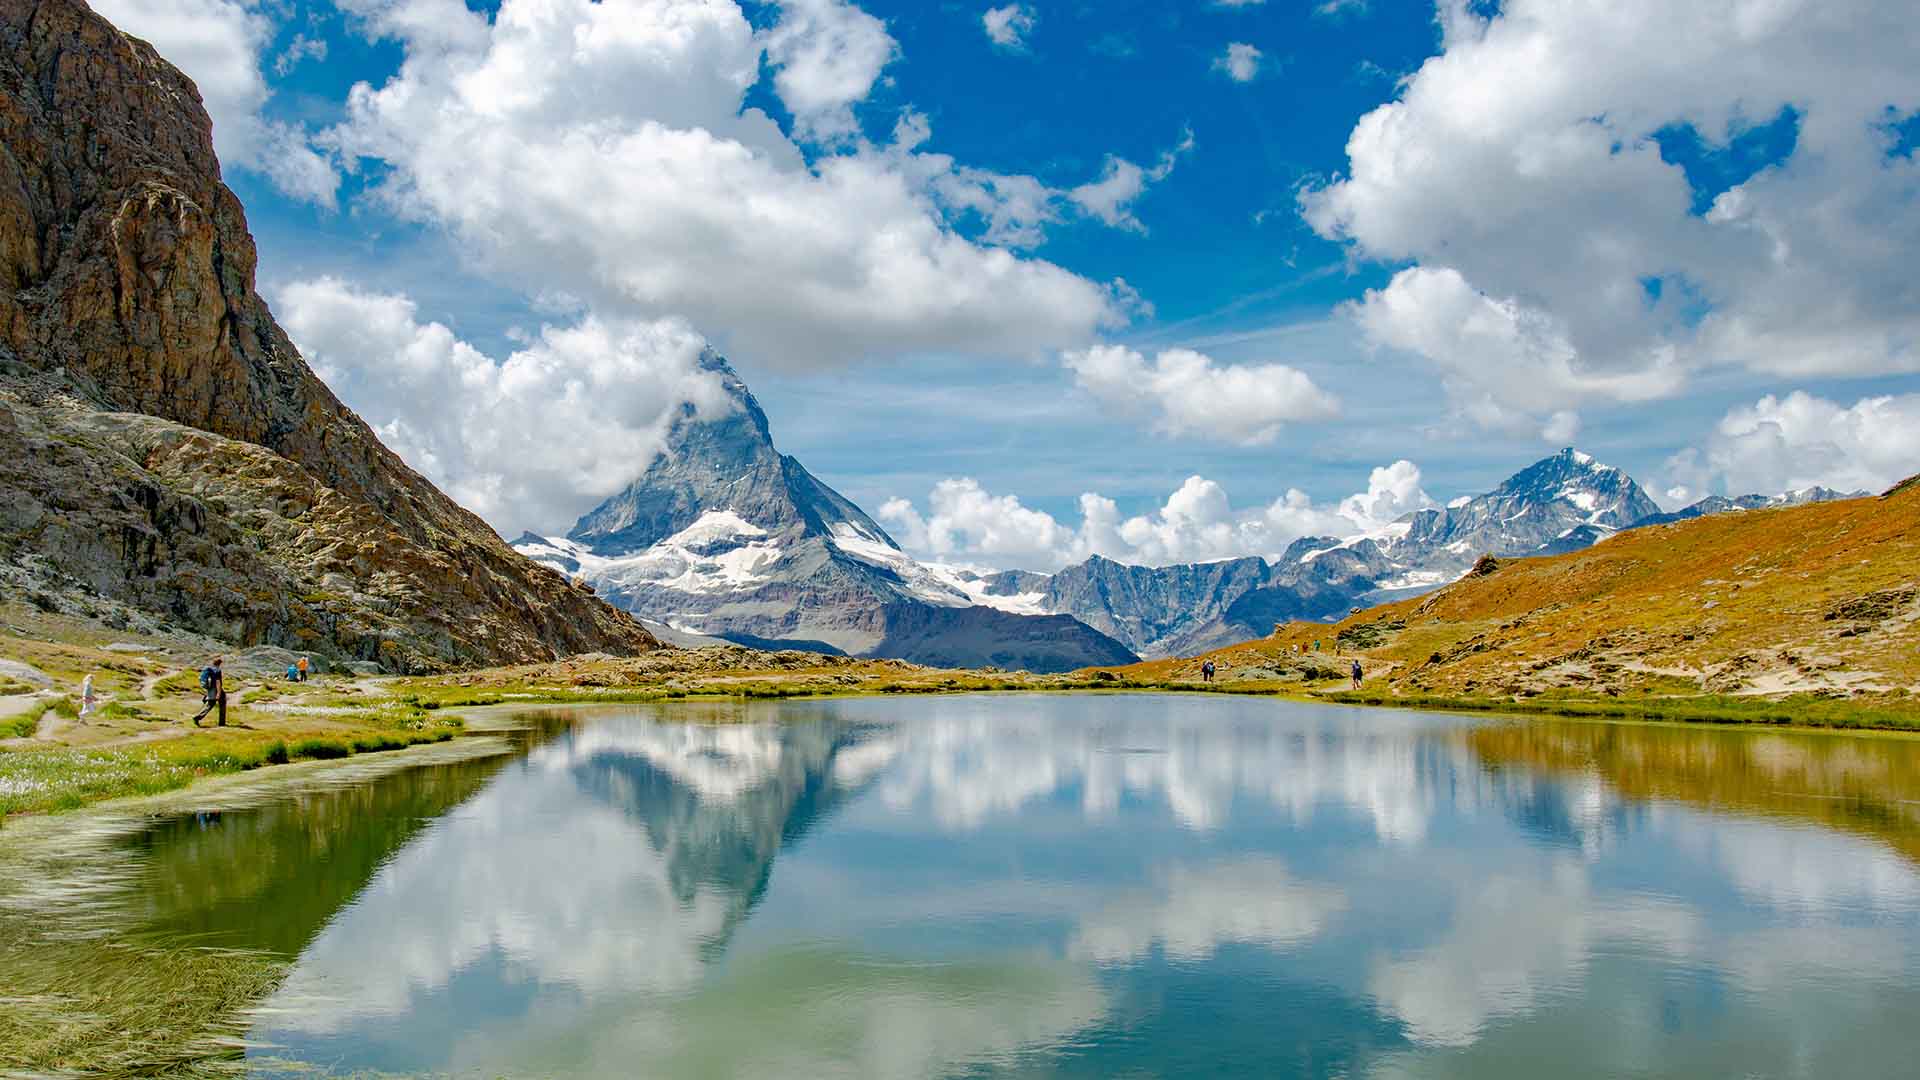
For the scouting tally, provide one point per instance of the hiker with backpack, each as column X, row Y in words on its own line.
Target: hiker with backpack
column 1356, row 673
column 1206, row 671
column 213, row 687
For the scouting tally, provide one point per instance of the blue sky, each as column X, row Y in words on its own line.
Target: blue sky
column 1455, row 234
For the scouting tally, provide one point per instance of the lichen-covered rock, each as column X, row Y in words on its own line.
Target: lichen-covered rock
column 161, row 440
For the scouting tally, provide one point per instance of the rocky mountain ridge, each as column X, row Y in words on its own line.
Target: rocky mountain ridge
column 722, row 535
column 1722, row 504
column 165, row 452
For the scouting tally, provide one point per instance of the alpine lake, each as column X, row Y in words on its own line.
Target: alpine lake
column 1086, row 885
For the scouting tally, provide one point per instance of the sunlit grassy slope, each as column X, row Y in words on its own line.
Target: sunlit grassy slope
column 1820, row 599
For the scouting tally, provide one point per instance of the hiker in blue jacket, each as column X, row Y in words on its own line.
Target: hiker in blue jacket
column 213, row 685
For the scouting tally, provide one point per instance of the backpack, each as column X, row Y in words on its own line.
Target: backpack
column 207, row 675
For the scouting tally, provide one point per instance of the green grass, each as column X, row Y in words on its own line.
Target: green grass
column 22, row 726
column 10, row 686
column 186, row 683
column 320, row 749
column 121, row 710
column 53, row 780
column 58, row 779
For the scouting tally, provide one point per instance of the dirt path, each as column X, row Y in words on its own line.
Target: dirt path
column 147, row 684
column 171, row 731
column 14, row 704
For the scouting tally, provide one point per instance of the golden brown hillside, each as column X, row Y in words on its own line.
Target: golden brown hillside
column 1822, row 598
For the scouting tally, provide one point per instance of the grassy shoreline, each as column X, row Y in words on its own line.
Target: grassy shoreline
column 59, row 779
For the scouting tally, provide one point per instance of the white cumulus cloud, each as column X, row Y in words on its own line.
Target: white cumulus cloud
column 1784, row 443
column 1502, row 362
column 603, row 151
column 301, row 48
column 1111, row 197
column 530, row 441
column 967, row 524
column 1188, row 394
column 1241, row 62
column 963, row 520
column 1009, row 26
column 1557, row 252
column 219, row 44
column 827, row 55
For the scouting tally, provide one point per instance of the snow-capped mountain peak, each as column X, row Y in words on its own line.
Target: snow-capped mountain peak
column 722, row 535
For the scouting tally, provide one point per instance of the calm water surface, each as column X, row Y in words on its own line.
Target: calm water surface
column 1086, row 885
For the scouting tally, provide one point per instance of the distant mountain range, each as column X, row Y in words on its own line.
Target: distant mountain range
column 1558, row 504
column 724, row 536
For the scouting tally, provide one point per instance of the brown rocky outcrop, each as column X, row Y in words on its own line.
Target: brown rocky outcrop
column 162, row 442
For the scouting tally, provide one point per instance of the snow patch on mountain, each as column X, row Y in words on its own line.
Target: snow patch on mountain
column 935, row 583
column 715, row 526
column 1417, row 579
column 917, row 580
column 1585, row 500
column 976, row 587
column 720, row 552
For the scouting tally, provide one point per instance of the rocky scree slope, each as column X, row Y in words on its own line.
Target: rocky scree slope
column 725, row 536
column 1818, row 598
column 163, row 446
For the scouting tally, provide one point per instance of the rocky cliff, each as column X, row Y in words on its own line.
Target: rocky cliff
column 162, row 443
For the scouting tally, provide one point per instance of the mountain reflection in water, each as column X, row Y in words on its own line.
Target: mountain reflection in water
column 1094, row 885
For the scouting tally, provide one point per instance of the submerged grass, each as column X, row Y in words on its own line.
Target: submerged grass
column 97, row 1006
